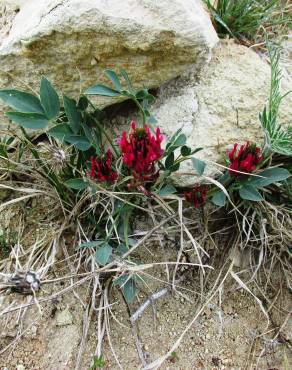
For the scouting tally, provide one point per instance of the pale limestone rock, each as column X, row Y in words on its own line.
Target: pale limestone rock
column 222, row 106
column 8, row 11
column 72, row 42
column 64, row 318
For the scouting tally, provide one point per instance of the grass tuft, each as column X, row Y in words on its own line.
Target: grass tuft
column 248, row 19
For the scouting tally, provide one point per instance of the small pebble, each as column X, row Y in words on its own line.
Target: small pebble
column 20, row 367
column 64, row 318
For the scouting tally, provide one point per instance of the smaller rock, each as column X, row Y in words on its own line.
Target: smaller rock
column 32, row 332
column 64, row 318
column 20, row 367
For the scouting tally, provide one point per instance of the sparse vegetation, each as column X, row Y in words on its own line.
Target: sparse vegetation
column 99, row 186
column 98, row 363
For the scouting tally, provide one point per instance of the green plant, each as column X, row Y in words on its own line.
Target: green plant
column 118, row 177
column 7, row 240
column 5, row 143
column 107, row 182
column 173, row 357
column 245, row 18
column 98, row 362
column 260, row 197
column 142, row 98
column 277, row 139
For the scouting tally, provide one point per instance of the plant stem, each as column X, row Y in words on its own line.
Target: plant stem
column 103, row 130
column 141, row 110
column 106, row 135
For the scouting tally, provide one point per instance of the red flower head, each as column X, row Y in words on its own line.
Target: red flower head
column 244, row 159
column 197, row 196
column 101, row 168
column 141, row 150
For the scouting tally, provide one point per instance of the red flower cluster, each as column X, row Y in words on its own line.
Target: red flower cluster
column 197, row 196
column 244, row 159
column 141, row 151
column 101, row 168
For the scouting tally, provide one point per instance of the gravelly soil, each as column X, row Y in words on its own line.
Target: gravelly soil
column 226, row 337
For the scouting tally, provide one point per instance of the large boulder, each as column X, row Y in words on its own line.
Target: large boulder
column 219, row 107
column 72, row 42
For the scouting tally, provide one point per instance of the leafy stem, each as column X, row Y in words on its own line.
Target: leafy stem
column 141, row 109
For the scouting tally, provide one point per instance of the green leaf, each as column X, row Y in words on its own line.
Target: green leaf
column 144, row 94
column 169, row 160
column 219, row 198
column 33, row 121
column 82, row 103
column 248, row 192
column 77, row 184
column 122, row 249
column 224, row 178
column 88, row 132
column 90, row 244
column 22, row 101
column 128, row 94
column 127, row 79
column 102, row 90
column 80, row 142
column 72, row 113
column 103, row 254
column 150, row 99
column 199, row 166
column 49, row 99
column 141, row 94
column 98, row 362
column 121, row 280
column 223, row 24
column 130, row 290
column 167, row 190
column 172, row 139
column 270, row 176
column 196, row 150
column 180, row 140
column 185, row 151
column 60, row 131
column 174, row 167
column 4, row 147
column 114, row 79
